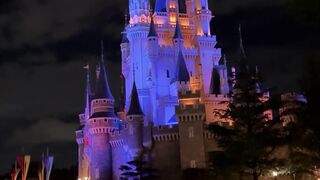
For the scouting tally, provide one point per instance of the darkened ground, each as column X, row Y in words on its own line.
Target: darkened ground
column 45, row 43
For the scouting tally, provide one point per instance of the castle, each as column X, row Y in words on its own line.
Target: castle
column 175, row 83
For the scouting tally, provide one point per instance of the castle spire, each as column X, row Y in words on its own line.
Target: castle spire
column 124, row 33
column 88, row 92
column 152, row 31
column 243, row 54
column 134, row 108
column 102, row 89
column 177, row 33
column 182, row 70
column 243, row 65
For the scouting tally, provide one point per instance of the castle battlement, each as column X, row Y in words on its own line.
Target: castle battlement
column 103, row 122
column 117, row 143
column 216, row 98
column 166, row 137
column 165, row 129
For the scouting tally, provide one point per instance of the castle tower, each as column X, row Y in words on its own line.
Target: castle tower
column 191, row 116
column 139, row 11
column 83, row 164
column 101, row 122
column 135, row 122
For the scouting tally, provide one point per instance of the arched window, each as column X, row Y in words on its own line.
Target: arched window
column 168, row 74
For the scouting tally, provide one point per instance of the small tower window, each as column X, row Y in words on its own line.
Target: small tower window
column 193, row 164
column 130, row 130
column 191, row 132
column 168, row 74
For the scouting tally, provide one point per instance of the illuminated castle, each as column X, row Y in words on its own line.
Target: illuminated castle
column 174, row 79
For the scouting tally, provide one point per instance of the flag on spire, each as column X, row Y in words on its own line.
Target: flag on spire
column 15, row 171
column 24, row 162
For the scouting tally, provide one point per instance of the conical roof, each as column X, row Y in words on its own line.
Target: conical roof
column 178, row 32
column 152, row 31
column 134, row 108
column 102, row 87
column 182, row 70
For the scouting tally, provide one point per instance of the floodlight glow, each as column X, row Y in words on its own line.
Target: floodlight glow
column 274, row 173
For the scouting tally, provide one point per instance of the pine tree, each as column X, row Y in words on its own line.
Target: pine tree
column 248, row 146
column 137, row 169
column 303, row 134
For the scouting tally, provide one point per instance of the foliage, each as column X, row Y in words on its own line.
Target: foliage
column 137, row 169
column 248, row 145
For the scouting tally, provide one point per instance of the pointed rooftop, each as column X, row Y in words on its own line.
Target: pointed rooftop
column 88, row 91
column 178, row 32
column 152, row 30
column 102, row 87
column 243, row 64
column 160, row 6
column 134, row 108
column 182, row 70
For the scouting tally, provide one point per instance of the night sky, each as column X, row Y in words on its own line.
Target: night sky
column 45, row 43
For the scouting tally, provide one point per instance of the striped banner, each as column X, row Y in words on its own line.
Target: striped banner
column 24, row 163
column 15, row 171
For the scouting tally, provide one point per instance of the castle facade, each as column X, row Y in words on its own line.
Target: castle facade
column 175, row 81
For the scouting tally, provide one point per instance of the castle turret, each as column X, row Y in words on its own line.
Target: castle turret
column 191, row 116
column 203, row 17
column 135, row 122
column 102, row 122
column 139, row 11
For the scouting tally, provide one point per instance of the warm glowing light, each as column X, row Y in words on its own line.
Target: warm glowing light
column 274, row 173
column 172, row 6
column 172, row 19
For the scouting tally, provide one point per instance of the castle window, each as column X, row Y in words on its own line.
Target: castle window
column 168, row 74
column 190, row 73
column 130, row 130
column 193, row 164
column 97, row 173
column 191, row 132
